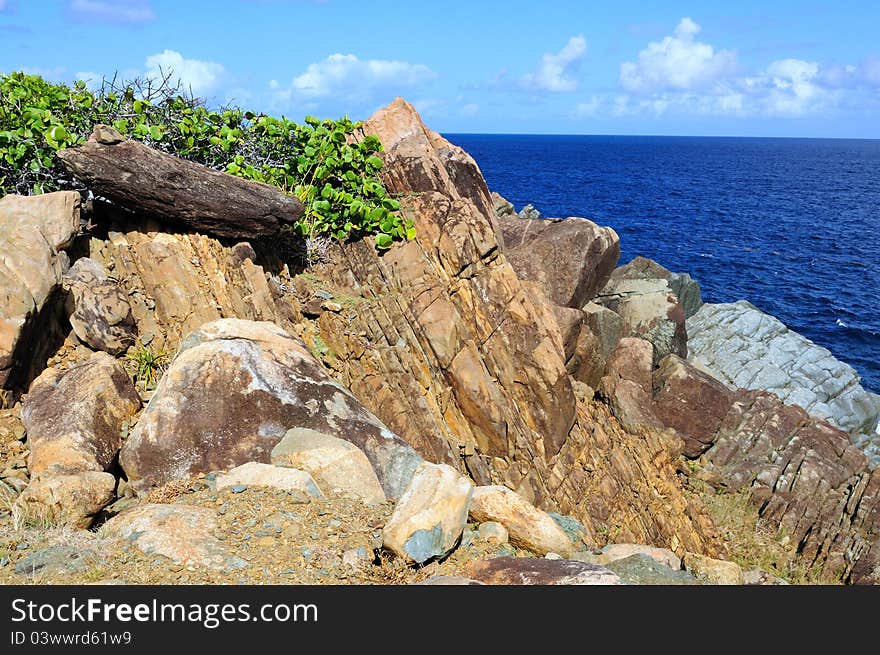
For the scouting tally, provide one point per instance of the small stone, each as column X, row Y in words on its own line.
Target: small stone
column 238, row 488
column 356, row 557
column 324, row 295
column 493, row 532
column 23, row 546
column 553, row 556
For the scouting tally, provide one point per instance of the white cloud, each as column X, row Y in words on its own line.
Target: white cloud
column 555, row 72
column 589, row 108
column 470, row 109
column 4, row 5
column 788, row 87
column 113, row 11
column 201, row 76
column 677, row 63
column 345, row 75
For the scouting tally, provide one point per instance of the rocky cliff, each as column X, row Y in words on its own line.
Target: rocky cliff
column 442, row 372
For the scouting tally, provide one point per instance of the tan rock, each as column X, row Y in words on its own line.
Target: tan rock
column 430, row 516
column 72, row 500
column 298, row 483
column 337, row 465
column 493, row 532
column 529, row 527
column 34, row 231
column 183, row 533
column 74, row 417
column 714, row 571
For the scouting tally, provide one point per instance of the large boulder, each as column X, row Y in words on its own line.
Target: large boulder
column 430, row 516
column 74, row 418
column 571, row 259
column 649, row 310
column 527, row 526
column 298, row 484
column 627, row 385
column 101, row 315
column 685, row 288
column 34, row 232
column 744, row 347
column 230, row 395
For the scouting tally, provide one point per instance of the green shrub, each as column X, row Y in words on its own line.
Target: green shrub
column 332, row 172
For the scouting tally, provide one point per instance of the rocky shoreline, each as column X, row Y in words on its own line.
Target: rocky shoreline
column 493, row 402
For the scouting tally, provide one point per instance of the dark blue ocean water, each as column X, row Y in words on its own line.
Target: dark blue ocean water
column 792, row 225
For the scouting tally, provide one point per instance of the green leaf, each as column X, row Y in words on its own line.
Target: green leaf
column 383, row 241
column 374, row 161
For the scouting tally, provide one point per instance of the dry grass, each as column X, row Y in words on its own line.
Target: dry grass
column 751, row 543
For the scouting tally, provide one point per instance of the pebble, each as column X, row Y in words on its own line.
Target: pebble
column 325, row 295
column 23, row 546
column 239, row 488
column 553, row 556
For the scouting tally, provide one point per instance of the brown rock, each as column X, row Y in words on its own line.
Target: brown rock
column 571, row 259
column 627, row 385
column 153, row 183
column 74, row 417
column 101, row 315
column 533, row 571
column 528, row 527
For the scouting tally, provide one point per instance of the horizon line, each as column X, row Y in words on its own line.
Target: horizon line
column 670, row 136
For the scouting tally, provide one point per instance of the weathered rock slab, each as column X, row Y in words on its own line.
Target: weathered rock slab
column 298, row 484
column 535, row 571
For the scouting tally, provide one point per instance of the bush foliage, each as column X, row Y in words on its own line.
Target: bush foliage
column 322, row 162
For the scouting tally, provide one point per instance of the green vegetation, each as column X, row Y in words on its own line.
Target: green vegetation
column 321, row 161
column 149, row 365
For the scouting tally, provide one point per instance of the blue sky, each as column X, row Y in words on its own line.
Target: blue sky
column 762, row 68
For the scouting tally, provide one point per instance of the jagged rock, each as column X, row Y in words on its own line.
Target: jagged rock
column 642, row 569
column 430, row 516
column 298, row 484
column 691, row 402
column 606, row 325
column 183, row 533
column 574, row 529
column 627, row 385
column 419, row 160
column 581, row 349
column 527, row 526
column 34, row 232
column 74, row 417
column 714, row 571
column 101, row 315
column 502, row 206
column 337, row 465
column 534, row 571
column 230, row 395
column 153, row 183
column 663, row 556
column 761, row 577
column 529, row 212
column 648, row 310
column 66, row 499
column 744, row 347
column 685, row 288
column 570, row 259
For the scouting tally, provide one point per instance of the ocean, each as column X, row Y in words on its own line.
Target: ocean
column 791, row 225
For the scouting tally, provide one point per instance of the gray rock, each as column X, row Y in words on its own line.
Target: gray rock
column 649, row 310
column 53, row 560
column 744, row 347
column 685, row 288
column 501, row 205
column 641, row 569
column 529, row 212
column 571, row 527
